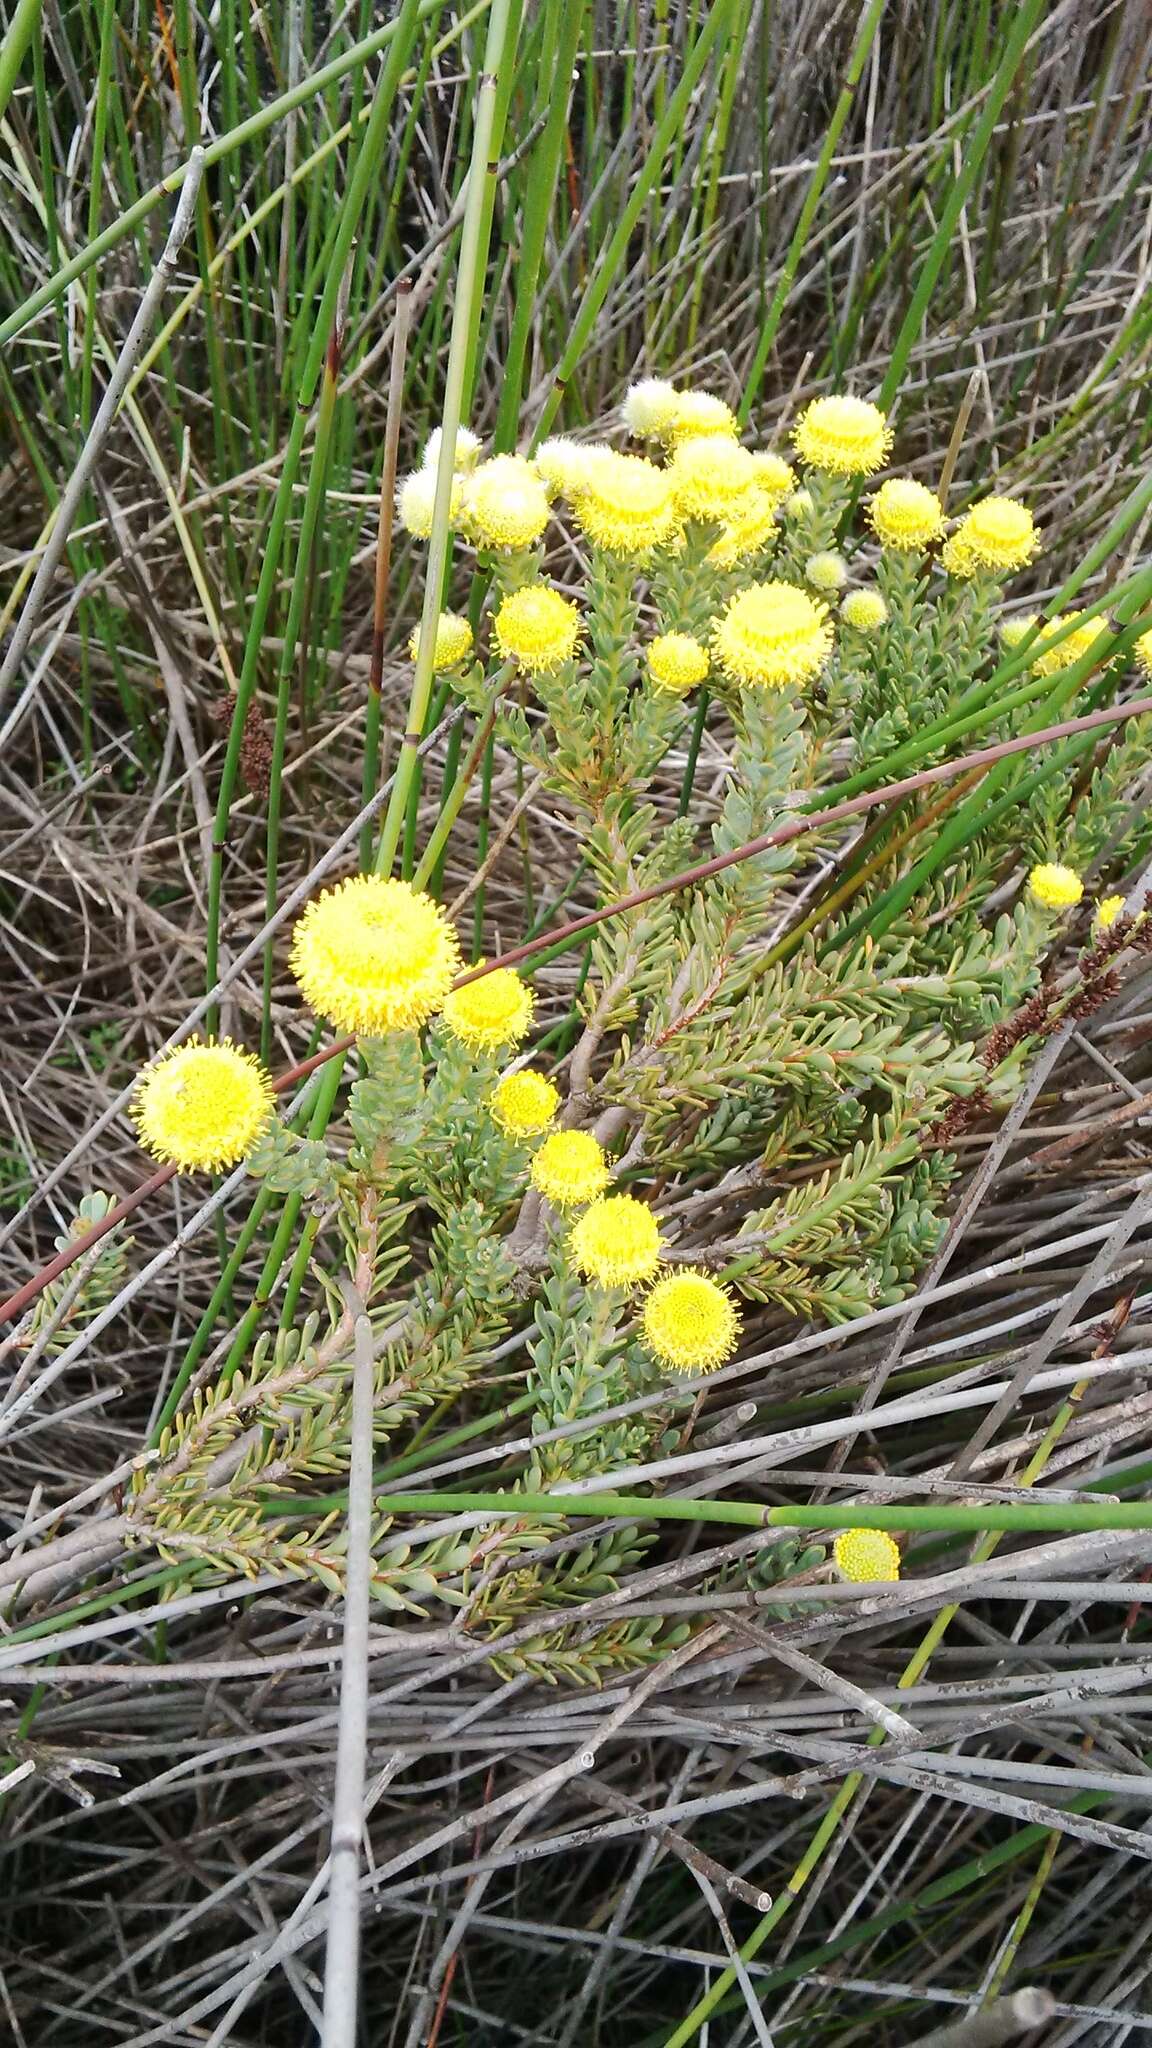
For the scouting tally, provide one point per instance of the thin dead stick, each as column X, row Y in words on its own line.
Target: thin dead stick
column 1001, row 2021
column 342, row 1962
column 101, row 428
column 811, row 821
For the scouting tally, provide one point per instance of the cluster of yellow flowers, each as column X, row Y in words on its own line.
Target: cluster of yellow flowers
column 375, row 955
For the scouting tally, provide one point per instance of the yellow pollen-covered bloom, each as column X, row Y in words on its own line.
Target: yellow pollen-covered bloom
column 506, row 503
column 845, row 436
column 202, row 1106
column 525, row 1103
column 649, row 407
column 1142, row 653
column 690, row 1322
column 374, row 955
column 748, row 531
column 906, row 515
column 677, row 662
column 537, row 628
column 773, row 633
column 415, row 500
column 697, row 413
column 710, row 476
column 570, row 1169
column 465, row 454
column 627, row 507
column 864, row 610
column 1056, row 887
column 862, row 1554
column 771, row 473
column 1108, row 910
column 826, row 570
column 497, row 1010
column 566, row 465
column 1077, row 643
column 453, row 642
column 616, row 1242
column 997, row 533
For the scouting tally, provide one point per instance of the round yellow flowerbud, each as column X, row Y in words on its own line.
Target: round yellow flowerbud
column 710, row 476
column 465, row 454
column 997, row 533
column 616, row 1242
column 1056, row 887
column 771, row 473
column 1142, row 653
column 845, row 436
column 626, row 507
column 506, row 503
column 570, row 1169
column 865, row 1554
column 649, row 407
column 453, row 642
column 864, row 610
column 525, row 1103
column 416, row 498
column 1013, row 631
column 697, row 413
column 537, row 628
column 748, row 531
column 374, row 955
column 203, row 1105
column 690, row 1323
column 1108, row 910
column 773, row 633
column 567, row 465
column 826, row 571
column 906, row 515
column 496, row 1010
column 1077, row 643
column 677, row 662
column 798, row 504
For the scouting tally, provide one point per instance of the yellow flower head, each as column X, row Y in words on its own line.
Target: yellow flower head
column 773, row 633
column 649, row 407
column 202, row 1106
column 374, row 955
column 826, row 571
column 1142, row 653
column 906, row 515
column 845, row 436
column 465, row 454
column 996, row 533
column 690, row 1323
column 570, row 1169
column 567, row 465
column 537, row 628
column 496, row 1010
column 616, row 1242
column 1108, row 910
column 1013, row 631
column 771, row 473
column 507, row 504
column 677, row 662
column 453, row 642
column 525, row 1103
column 697, row 413
column 864, row 610
column 1076, row 644
column 710, row 476
column 1056, row 887
column 416, row 497
column 748, row 531
column 862, row 1554
column 627, row 507
column 798, row 504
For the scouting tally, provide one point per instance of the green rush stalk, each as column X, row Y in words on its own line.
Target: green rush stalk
column 24, row 25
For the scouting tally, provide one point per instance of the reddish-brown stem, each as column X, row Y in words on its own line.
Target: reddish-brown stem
column 810, row 821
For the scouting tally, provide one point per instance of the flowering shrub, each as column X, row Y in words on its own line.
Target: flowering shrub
column 770, row 1065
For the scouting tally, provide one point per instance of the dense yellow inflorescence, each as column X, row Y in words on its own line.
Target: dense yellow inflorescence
column 772, row 634
column 616, row 1242
column 1056, row 887
column 524, row 1104
column 202, row 1106
column 494, row 1011
column 690, row 1323
column 374, row 955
